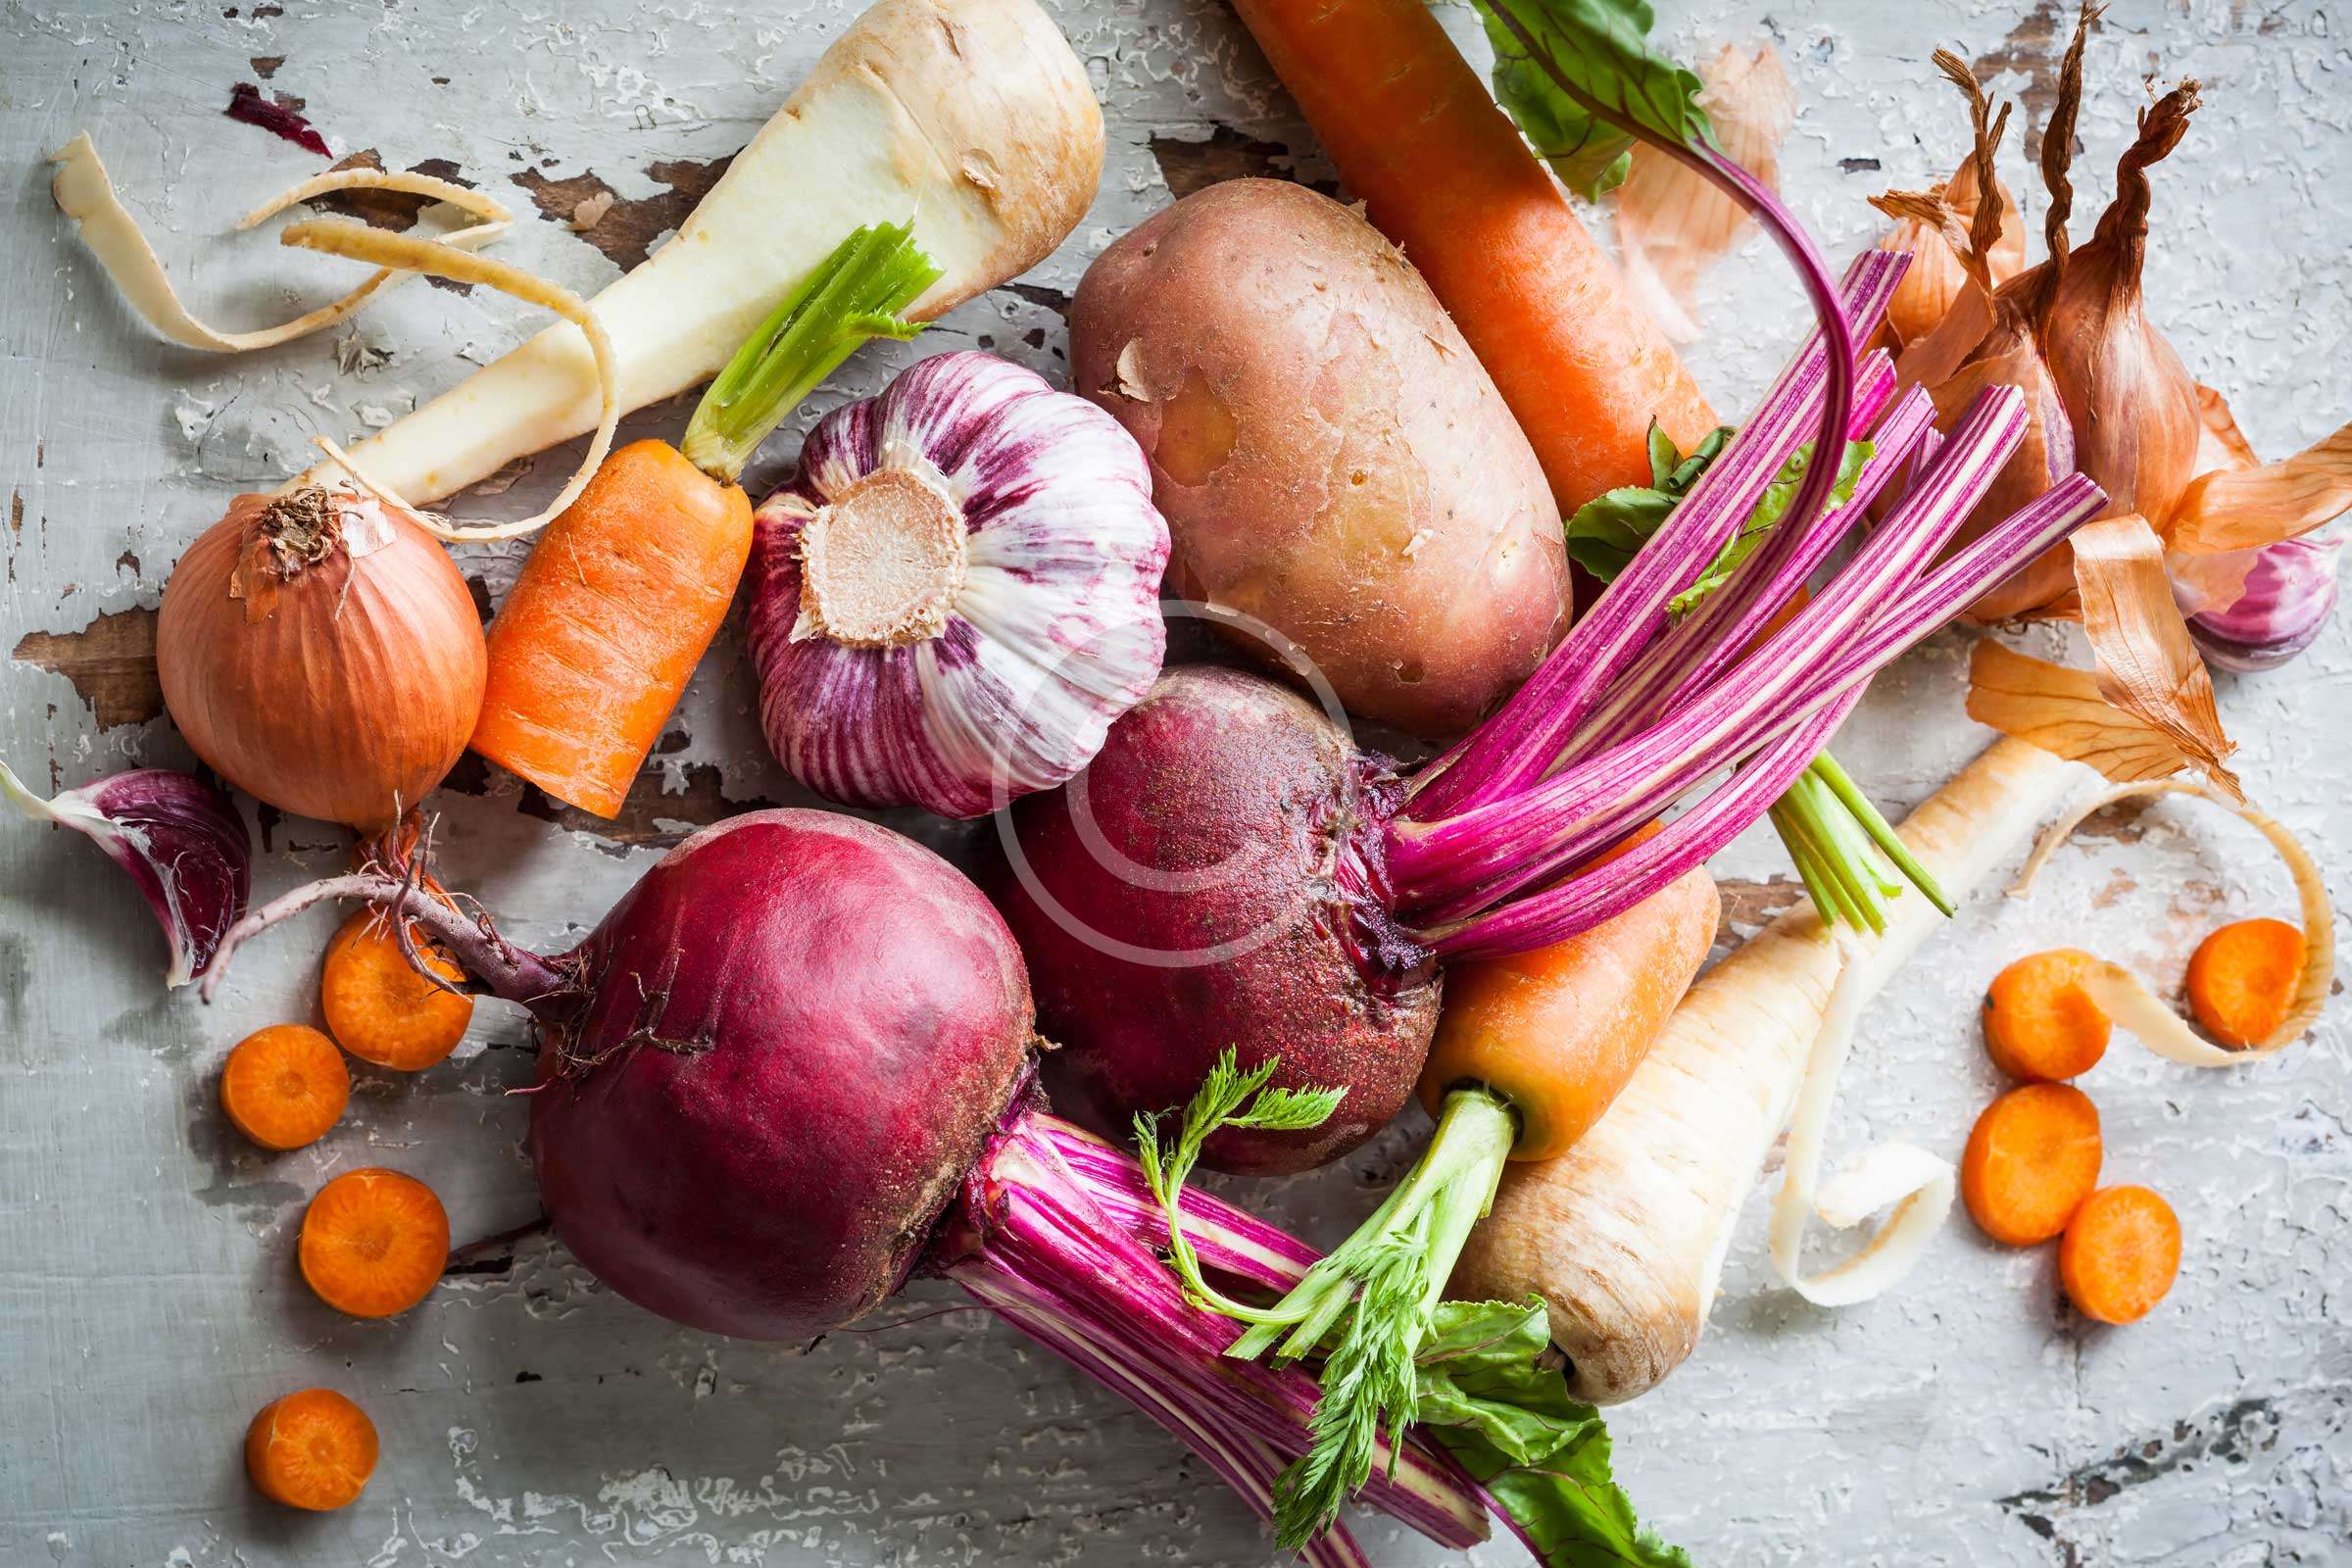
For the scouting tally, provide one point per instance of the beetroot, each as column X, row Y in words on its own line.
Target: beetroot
column 1238, row 890
column 819, row 1089
column 793, row 1066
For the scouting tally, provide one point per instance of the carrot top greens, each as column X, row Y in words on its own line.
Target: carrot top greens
column 1481, row 1375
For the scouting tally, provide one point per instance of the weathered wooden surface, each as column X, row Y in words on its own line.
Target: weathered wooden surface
column 148, row 1299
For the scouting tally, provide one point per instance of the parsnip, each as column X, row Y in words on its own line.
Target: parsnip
column 970, row 118
column 1624, row 1236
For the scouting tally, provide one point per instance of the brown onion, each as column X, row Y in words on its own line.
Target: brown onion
column 322, row 654
column 1990, row 333
column 2132, row 402
column 1937, row 275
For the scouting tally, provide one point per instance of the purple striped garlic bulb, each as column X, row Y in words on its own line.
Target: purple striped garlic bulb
column 958, row 593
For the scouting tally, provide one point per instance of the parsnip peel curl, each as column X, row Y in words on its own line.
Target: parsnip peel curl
column 407, row 252
column 2144, row 1015
column 84, row 193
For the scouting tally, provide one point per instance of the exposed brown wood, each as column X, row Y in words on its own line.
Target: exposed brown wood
column 111, row 663
column 626, row 230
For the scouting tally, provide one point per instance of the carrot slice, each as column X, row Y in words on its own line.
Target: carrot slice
column 2031, row 1159
column 374, row 1243
column 2121, row 1255
column 379, row 1007
column 2040, row 1025
column 284, row 1086
column 2243, row 977
column 312, row 1449
column 597, row 638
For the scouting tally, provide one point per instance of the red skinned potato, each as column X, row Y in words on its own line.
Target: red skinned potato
column 1329, row 456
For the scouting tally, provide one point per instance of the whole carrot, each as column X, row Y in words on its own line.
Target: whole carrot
column 595, row 644
column 1443, row 174
column 624, row 591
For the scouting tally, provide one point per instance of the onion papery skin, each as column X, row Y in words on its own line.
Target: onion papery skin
column 1937, row 280
column 1053, row 631
column 2133, row 402
column 344, row 689
column 2047, row 453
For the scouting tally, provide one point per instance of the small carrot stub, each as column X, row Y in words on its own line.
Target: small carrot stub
column 1560, row 1030
column 2121, row 1255
column 284, row 1086
column 379, row 1007
column 2031, row 1159
column 2040, row 1026
column 374, row 1243
column 2242, row 979
column 312, row 1449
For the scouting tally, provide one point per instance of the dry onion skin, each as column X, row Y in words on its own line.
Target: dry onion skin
column 2065, row 713
column 2144, row 1015
column 84, row 193
column 1979, row 245
column 2233, row 508
column 407, row 252
column 322, row 654
column 2148, row 665
column 1673, row 223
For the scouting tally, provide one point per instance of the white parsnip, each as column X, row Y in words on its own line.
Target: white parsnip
column 969, row 118
column 1624, row 1236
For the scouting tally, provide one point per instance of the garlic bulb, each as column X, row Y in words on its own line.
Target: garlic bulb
column 958, row 593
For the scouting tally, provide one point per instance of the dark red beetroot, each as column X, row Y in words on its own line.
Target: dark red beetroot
column 799, row 1029
column 765, row 1071
column 1236, row 887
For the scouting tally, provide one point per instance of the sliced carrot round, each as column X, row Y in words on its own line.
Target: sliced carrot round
column 2040, row 1025
column 2121, row 1255
column 2031, row 1158
column 284, row 1086
column 2242, row 979
column 374, row 1243
column 378, row 1007
column 311, row 1449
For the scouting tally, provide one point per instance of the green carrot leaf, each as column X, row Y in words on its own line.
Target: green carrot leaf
column 1573, row 71
column 1367, row 1388
column 1227, row 1097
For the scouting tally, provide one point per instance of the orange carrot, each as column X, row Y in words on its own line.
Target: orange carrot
column 592, row 649
column 1444, row 175
column 2031, row 1159
column 311, row 1449
column 2242, row 979
column 1557, row 1031
column 284, row 1086
column 373, row 1243
column 2121, row 1255
column 379, row 1007
column 2039, row 1024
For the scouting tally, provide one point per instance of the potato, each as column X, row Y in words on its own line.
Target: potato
column 1330, row 457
